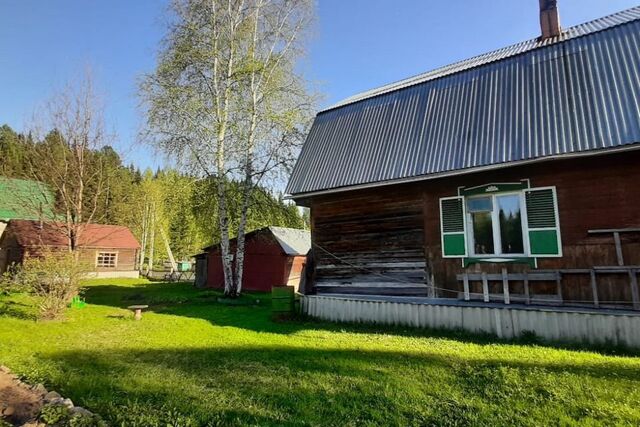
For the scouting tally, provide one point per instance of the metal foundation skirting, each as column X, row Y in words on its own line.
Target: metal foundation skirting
column 550, row 323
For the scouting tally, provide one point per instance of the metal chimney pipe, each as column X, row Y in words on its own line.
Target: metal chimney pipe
column 549, row 19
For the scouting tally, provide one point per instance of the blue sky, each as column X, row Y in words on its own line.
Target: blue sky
column 356, row 45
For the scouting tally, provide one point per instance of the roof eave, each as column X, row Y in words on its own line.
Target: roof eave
column 306, row 195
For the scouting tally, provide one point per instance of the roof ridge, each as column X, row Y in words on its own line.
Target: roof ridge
column 575, row 31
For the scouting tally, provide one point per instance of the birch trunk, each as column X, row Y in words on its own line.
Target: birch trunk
column 223, row 105
column 248, row 163
column 143, row 245
column 152, row 240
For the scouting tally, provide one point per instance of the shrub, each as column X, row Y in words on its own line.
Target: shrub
column 55, row 414
column 8, row 281
column 54, row 277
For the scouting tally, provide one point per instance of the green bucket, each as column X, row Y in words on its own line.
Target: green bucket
column 77, row 302
column 282, row 299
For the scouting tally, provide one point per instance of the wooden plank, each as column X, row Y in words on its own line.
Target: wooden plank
column 616, row 269
column 616, row 239
column 635, row 296
column 466, row 287
column 505, row 286
column 397, row 291
column 594, row 289
column 485, row 287
column 559, row 286
column 614, row 230
column 547, row 276
column 566, row 271
column 527, row 295
column 365, row 284
column 517, row 298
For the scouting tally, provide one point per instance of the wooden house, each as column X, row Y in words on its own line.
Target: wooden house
column 23, row 199
column 110, row 250
column 274, row 256
column 510, row 177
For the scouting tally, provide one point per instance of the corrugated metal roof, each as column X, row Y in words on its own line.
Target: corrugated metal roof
column 292, row 240
column 574, row 93
column 497, row 55
column 23, row 199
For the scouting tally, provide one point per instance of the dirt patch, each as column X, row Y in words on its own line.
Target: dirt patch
column 18, row 403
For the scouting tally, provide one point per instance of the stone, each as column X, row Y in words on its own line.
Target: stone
column 39, row 388
column 57, row 401
column 52, row 395
column 68, row 403
column 81, row 411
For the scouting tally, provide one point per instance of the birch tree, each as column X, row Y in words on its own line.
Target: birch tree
column 225, row 99
column 277, row 106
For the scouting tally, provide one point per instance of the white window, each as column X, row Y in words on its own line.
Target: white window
column 495, row 224
column 107, row 260
column 500, row 221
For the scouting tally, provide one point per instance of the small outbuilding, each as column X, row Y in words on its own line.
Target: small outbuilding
column 110, row 249
column 273, row 256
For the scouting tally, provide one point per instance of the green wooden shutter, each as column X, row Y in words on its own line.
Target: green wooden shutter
column 453, row 230
column 542, row 222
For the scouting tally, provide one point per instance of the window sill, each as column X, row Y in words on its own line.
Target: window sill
column 531, row 261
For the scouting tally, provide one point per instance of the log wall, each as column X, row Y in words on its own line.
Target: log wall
column 401, row 224
column 370, row 242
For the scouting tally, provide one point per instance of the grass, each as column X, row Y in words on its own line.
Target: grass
column 194, row 361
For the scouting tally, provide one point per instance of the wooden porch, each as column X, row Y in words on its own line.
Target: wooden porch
column 527, row 280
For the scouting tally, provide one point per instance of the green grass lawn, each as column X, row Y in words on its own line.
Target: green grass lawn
column 195, row 361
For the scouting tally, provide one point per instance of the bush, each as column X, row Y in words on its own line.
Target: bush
column 54, row 277
column 55, row 414
column 8, row 281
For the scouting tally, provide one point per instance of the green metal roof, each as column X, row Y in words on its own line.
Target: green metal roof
column 22, row 199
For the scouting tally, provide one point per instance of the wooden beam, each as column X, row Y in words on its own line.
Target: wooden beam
column 536, row 276
column 635, row 296
column 616, row 239
column 505, row 286
column 614, row 230
column 527, row 296
column 594, row 289
column 466, row 287
column 559, row 286
column 485, row 287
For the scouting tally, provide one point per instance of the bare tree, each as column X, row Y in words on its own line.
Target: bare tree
column 222, row 97
column 65, row 158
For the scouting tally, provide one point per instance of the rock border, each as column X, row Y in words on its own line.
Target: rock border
column 48, row 397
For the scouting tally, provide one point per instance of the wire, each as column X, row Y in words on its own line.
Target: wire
column 395, row 279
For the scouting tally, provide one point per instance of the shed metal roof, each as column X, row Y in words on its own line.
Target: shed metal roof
column 574, row 93
column 292, row 240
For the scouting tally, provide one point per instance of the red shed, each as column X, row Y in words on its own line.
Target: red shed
column 273, row 256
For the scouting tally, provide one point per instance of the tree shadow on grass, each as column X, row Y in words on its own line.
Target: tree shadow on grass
column 280, row 385
column 17, row 310
column 182, row 299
